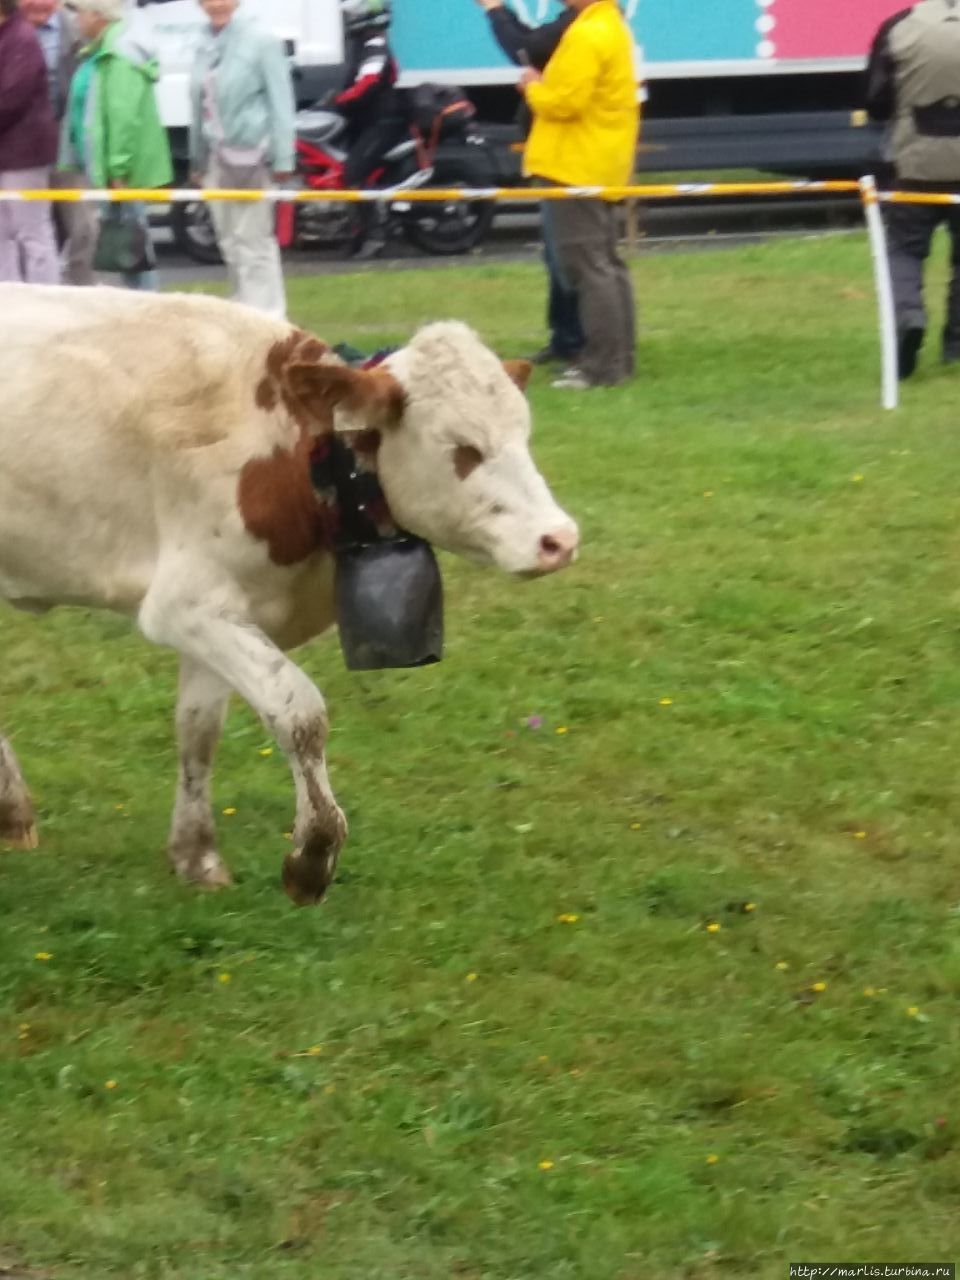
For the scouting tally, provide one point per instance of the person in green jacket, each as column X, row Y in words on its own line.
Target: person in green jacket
column 112, row 130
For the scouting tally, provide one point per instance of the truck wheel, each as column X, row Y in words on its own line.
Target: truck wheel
column 194, row 234
column 456, row 227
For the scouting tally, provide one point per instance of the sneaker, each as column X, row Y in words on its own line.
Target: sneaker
column 572, row 380
column 909, row 342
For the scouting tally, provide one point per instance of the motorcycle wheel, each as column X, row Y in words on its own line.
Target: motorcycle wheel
column 193, row 232
column 447, row 229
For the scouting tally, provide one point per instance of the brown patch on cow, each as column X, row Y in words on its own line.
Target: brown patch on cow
column 519, row 372
column 373, row 394
column 297, row 347
column 267, row 397
column 466, row 459
column 364, row 443
column 279, row 505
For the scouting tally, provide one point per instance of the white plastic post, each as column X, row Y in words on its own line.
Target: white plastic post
column 890, row 398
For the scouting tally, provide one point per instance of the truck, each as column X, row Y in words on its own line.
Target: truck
column 759, row 84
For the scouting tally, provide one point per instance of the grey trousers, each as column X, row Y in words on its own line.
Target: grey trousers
column 910, row 230
column 28, row 247
column 247, row 238
column 80, row 227
column 586, row 235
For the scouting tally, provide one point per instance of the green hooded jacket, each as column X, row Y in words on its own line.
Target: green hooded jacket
column 112, row 127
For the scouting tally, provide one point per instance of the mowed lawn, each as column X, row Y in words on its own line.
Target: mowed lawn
column 644, row 961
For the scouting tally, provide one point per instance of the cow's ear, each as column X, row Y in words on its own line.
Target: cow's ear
column 360, row 398
column 519, row 371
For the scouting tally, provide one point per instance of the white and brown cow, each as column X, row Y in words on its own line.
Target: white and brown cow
column 155, row 460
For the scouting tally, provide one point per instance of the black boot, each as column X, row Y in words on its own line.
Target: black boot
column 951, row 347
column 909, row 341
column 367, row 250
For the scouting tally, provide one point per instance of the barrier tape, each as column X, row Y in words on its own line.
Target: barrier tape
column 871, row 199
column 433, row 195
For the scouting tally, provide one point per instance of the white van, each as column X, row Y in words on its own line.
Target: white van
column 311, row 29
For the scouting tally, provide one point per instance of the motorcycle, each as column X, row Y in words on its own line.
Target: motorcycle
column 462, row 159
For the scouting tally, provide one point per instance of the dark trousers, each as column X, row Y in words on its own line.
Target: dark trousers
column 910, row 229
column 567, row 338
column 587, row 249
column 365, row 156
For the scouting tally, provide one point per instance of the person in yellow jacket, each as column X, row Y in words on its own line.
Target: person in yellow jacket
column 586, row 122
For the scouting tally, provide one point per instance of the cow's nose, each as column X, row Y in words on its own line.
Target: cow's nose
column 557, row 549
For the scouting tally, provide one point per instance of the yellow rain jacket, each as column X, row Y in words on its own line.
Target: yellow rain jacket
column 586, row 116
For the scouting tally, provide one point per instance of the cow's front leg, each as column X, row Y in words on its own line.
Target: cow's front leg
column 289, row 705
column 17, row 825
column 201, row 708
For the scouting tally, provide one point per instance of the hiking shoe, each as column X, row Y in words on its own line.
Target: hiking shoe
column 909, row 342
column 572, row 380
column 548, row 355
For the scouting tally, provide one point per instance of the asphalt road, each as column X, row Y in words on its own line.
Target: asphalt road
column 692, row 227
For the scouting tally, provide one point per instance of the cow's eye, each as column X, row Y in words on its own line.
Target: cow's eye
column 466, row 459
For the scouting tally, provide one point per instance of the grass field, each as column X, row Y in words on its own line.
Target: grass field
column 666, row 987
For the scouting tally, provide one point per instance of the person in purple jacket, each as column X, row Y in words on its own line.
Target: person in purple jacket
column 28, row 148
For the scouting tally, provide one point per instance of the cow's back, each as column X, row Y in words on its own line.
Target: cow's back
column 116, row 403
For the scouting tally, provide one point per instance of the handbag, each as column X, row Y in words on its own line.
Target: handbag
column 124, row 245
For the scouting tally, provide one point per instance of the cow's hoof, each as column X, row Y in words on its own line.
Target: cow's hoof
column 204, row 871
column 307, row 875
column 24, row 837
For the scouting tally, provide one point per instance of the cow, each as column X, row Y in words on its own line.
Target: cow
column 155, row 460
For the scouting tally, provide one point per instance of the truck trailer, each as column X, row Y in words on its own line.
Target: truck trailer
column 761, row 84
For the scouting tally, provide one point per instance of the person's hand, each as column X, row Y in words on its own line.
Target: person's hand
column 489, row 5
column 116, row 184
column 282, row 178
column 529, row 75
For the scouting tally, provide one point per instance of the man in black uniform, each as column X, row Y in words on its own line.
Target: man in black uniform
column 913, row 82
column 534, row 47
column 370, row 103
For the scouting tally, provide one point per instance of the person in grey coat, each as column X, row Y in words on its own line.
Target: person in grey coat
column 913, row 84
column 243, row 137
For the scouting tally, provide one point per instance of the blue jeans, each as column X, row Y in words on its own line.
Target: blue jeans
column 563, row 309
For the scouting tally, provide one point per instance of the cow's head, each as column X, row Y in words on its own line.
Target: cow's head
column 453, row 457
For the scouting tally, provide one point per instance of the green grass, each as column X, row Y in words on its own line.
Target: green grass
column 762, row 547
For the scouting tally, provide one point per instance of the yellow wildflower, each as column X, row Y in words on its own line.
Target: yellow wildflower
column 781, row 965
column 869, row 992
column 749, row 906
column 818, row 987
column 562, row 730
column 266, row 751
column 859, row 835
column 545, row 1165
column 43, row 955
column 858, row 479
column 913, row 1011
column 666, row 702
column 567, row 918
column 713, row 1159
column 228, row 813
column 110, row 1084
column 224, row 978
column 472, row 977
column 713, row 927
column 636, row 826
